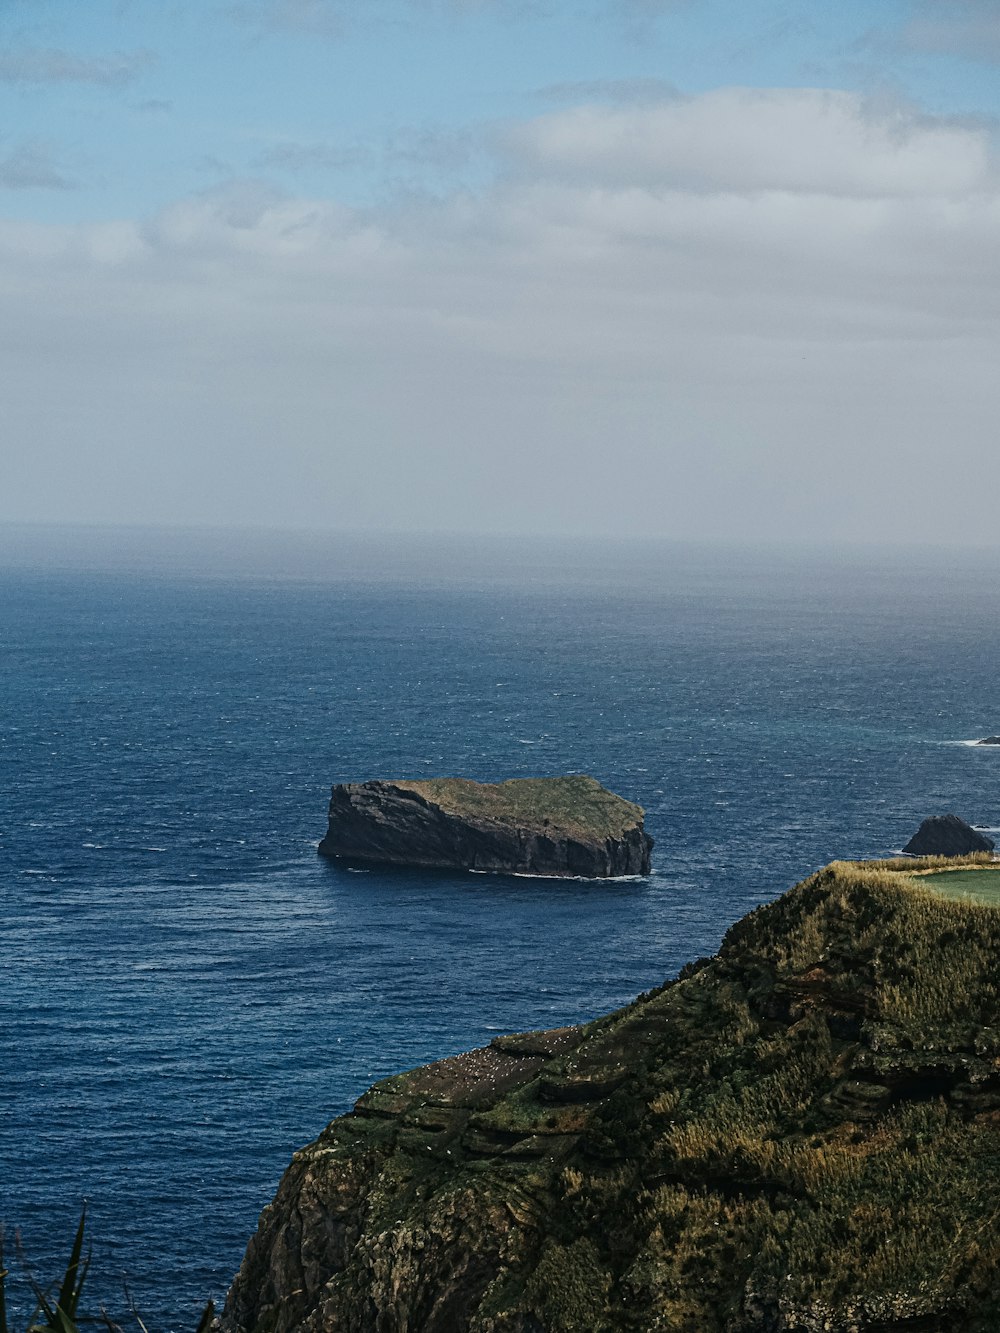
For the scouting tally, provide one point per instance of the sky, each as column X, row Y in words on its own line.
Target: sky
column 697, row 269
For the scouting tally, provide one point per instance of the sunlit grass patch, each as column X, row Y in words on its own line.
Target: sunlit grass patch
column 983, row 885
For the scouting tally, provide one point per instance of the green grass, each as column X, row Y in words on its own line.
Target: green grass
column 982, row 885
column 574, row 806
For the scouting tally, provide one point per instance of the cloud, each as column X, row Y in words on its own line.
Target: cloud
column 31, row 165
column 308, row 157
column 966, row 28
column 335, row 19
column 732, row 314
column 42, row 66
column 415, row 155
column 643, row 90
column 641, row 16
column 437, row 150
column 804, row 140
column 321, row 18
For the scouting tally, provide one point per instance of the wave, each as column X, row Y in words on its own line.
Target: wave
column 570, row 879
column 573, row 879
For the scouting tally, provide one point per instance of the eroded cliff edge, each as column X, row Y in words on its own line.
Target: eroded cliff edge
column 801, row 1133
column 541, row 826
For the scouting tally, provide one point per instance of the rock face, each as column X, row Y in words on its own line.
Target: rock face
column 541, row 826
column 947, row 835
column 800, row 1134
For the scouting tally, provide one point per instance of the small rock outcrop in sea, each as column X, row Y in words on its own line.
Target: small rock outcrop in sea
column 539, row 826
column 802, row 1133
column 947, row 835
column 989, row 740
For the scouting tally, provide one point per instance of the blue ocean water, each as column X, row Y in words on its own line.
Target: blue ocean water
column 189, row 993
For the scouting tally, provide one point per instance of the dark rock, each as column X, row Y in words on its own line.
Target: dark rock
column 559, row 827
column 989, row 740
column 947, row 835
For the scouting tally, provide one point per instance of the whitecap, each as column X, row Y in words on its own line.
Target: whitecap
column 578, row 879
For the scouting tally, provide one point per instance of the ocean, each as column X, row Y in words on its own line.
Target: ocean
column 190, row 993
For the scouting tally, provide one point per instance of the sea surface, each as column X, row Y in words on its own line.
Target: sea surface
column 189, row 992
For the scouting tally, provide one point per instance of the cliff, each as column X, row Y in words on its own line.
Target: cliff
column 542, row 826
column 802, row 1133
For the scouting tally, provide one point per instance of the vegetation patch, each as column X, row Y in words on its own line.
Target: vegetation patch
column 802, row 1132
column 983, row 885
column 575, row 806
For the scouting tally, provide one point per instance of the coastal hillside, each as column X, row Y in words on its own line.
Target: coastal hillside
column 802, row 1133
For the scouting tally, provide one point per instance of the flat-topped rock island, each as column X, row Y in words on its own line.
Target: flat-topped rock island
column 560, row 827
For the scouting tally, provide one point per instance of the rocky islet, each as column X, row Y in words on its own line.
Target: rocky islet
column 558, row 827
column 947, row 835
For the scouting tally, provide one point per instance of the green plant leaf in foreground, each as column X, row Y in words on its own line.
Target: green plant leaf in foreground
column 62, row 1315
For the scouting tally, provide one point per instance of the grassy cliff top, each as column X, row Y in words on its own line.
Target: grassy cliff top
column 974, row 878
column 980, row 883
column 802, row 1132
column 575, row 806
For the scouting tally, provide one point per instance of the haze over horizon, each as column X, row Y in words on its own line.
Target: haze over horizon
column 688, row 269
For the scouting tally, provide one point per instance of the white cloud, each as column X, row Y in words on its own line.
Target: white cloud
column 739, row 139
column 734, row 313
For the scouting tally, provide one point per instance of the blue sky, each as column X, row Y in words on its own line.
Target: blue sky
column 130, row 105
column 318, row 263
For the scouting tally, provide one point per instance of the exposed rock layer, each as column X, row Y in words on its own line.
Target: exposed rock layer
column 947, row 835
column 802, row 1133
column 542, row 826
